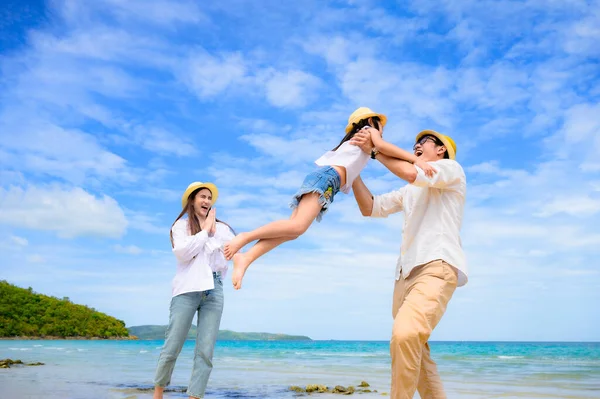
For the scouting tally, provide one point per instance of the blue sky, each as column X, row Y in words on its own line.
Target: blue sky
column 109, row 109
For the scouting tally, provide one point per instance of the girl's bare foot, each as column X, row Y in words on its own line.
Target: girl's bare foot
column 233, row 246
column 240, row 264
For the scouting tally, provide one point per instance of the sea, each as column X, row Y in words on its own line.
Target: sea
column 266, row 369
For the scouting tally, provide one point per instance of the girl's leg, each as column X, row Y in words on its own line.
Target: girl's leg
column 183, row 309
column 209, row 319
column 241, row 261
column 306, row 212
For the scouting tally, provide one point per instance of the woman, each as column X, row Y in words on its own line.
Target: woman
column 197, row 243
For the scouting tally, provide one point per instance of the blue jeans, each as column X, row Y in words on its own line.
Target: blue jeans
column 209, row 306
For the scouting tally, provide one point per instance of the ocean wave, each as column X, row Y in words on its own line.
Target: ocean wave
column 333, row 354
column 143, row 351
column 20, row 349
column 511, row 357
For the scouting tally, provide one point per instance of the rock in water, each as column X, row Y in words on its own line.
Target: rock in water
column 342, row 390
column 316, row 388
column 364, row 384
column 6, row 363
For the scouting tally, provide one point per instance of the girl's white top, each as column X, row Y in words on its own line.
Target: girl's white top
column 350, row 157
column 198, row 256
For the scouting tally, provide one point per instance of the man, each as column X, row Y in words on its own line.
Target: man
column 431, row 263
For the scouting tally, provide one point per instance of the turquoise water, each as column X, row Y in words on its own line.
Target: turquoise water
column 124, row 369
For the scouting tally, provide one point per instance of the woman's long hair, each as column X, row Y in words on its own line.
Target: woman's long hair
column 193, row 222
column 373, row 122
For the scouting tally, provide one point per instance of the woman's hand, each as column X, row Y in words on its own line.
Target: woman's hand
column 210, row 223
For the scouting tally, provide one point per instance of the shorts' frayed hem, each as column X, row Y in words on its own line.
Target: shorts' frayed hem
column 322, row 201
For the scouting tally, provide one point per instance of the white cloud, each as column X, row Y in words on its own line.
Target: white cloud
column 159, row 11
column 582, row 126
column 209, row 75
column 147, row 223
column 574, row 206
column 162, row 141
column 583, row 35
column 289, row 150
column 68, row 212
column 35, row 258
column 52, row 150
column 19, row 241
column 291, row 89
column 128, row 249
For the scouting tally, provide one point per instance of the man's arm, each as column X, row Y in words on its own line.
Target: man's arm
column 449, row 175
column 363, row 197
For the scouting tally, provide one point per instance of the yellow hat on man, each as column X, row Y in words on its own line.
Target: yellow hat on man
column 198, row 185
column 363, row 113
column 446, row 140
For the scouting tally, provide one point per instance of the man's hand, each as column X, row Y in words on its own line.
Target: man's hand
column 362, row 139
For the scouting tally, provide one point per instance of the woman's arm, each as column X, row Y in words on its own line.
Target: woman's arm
column 223, row 235
column 186, row 246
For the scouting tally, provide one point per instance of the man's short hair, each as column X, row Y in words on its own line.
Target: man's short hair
column 439, row 143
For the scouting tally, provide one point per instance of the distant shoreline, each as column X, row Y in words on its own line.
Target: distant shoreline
column 130, row 338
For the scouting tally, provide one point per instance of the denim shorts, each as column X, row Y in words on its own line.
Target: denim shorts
column 326, row 182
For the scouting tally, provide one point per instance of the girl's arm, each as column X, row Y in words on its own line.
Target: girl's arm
column 393, row 151
column 390, row 149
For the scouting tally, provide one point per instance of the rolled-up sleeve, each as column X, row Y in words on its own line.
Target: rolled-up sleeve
column 221, row 237
column 186, row 246
column 449, row 174
column 386, row 204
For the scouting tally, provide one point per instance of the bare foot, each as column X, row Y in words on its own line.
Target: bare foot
column 233, row 246
column 240, row 264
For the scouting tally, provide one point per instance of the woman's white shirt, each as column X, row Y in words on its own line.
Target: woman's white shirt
column 198, row 256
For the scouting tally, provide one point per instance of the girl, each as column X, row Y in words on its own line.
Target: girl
column 338, row 169
column 197, row 286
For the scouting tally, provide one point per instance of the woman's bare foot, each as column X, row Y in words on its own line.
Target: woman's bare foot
column 158, row 392
column 233, row 246
column 240, row 264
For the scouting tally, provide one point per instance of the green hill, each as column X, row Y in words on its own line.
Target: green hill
column 24, row 313
column 158, row 332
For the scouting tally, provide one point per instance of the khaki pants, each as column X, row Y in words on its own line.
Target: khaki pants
column 419, row 304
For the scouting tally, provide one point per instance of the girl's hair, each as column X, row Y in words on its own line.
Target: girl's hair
column 194, row 223
column 374, row 122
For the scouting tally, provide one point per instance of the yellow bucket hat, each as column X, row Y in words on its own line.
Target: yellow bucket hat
column 448, row 142
column 195, row 186
column 363, row 113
